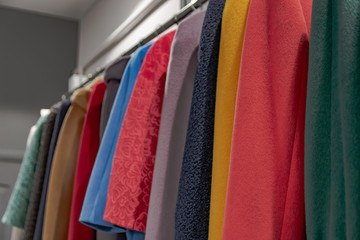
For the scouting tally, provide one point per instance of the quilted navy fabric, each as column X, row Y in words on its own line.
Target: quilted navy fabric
column 193, row 203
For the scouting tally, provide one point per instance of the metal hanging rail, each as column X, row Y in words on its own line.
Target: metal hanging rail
column 184, row 12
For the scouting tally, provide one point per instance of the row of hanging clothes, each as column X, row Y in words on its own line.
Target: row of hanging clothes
column 238, row 125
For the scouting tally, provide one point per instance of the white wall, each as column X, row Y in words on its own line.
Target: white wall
column 37, row 55
column 105, row 17
column 98, row 23
column 16, row 123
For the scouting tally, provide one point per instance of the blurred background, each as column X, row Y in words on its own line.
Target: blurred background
column 48, row 47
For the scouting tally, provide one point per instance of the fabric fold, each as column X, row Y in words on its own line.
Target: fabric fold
column 112, row 78
column 64, row 106
column 89, row 144
column 18, row 205
column 193, row 202
column 172, row 132
column 231, row 42
column 132, row 169
column 265, row 192
column 37, row 187
column 332, row 126
column 95, row 198
column 58, row 201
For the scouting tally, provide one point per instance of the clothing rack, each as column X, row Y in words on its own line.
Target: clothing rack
column 184, row 12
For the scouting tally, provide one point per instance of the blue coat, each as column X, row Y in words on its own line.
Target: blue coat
column 95, row 199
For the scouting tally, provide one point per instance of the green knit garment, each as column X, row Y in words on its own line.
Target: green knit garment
column 17, row 207
column 332, row 127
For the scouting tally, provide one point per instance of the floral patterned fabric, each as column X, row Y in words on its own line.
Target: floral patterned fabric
column 95, row 199
column 131, row 175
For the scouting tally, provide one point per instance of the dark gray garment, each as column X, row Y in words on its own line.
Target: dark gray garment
column 30, row 222
column 193, row 202
column 65, row 104
column 112, row 78
column 173, row 125
column 101, row 235
column 113, row 75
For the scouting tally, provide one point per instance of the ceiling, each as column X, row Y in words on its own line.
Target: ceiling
column 73, row 9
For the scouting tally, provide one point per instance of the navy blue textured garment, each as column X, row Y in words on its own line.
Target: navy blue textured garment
column 193, row 203
column 65, row 104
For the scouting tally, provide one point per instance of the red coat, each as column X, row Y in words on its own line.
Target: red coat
column 89, row 145
column 265, row 195
column 131, row 174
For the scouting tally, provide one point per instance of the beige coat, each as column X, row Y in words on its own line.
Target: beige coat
column 58, row 202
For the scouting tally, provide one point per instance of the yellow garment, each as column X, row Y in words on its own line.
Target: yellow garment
column 58, row 202
column 231, row 42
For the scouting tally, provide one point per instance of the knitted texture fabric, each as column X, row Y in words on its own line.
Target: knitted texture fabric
column 193, row 203
column 18, row 204
column 30, row 223
column 65, row 104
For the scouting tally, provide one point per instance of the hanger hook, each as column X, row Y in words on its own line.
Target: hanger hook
column 157, row 30
column 176, row 19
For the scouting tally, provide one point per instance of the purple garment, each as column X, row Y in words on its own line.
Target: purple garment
column 173, row 126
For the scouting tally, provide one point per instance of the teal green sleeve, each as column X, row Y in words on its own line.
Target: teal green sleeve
column 17, row 207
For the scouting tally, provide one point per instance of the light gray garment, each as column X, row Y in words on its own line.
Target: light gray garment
column 172, row 134
column 17, row 233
